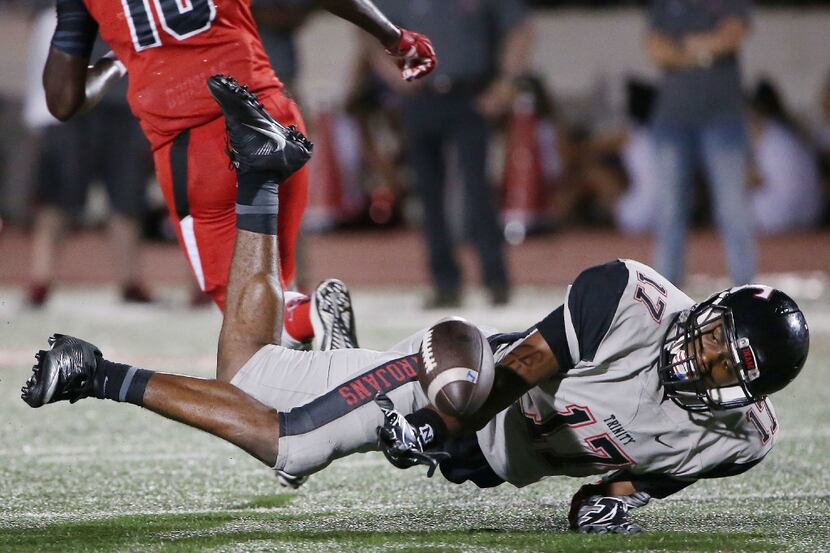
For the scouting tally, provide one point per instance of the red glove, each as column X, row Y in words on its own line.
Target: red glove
column 415, row 55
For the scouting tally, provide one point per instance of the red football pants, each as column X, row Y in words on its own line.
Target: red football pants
column 200, row 190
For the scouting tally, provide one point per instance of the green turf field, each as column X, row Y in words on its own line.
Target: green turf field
column 98, row 476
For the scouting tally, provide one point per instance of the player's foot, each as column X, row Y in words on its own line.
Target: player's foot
column 256, row 141
column 332, row 317
column 64, row 372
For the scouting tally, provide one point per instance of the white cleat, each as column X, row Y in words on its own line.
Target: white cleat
column 332, row 317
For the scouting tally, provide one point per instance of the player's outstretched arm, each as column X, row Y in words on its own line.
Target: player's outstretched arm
column 413, row 52
column 365, row 15
column 530, row 362
column 404, row 442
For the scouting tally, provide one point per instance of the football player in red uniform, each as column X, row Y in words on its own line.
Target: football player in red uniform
column 170, row 48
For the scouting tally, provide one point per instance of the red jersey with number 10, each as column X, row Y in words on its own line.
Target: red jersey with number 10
column 171, row 47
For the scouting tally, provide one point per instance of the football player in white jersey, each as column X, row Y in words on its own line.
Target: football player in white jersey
column 629, row 379
column 632, row 380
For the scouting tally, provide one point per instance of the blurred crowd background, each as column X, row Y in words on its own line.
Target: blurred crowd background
column 542, row 116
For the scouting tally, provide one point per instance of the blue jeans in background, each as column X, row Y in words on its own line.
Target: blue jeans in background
column 720, row 147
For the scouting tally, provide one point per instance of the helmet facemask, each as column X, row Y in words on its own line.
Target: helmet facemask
column 688, row 383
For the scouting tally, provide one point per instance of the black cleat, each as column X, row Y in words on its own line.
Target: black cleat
column 332, row 317
column 64, row 372
column 256, row 141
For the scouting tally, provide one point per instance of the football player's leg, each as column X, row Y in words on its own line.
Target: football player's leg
column 199, row 189
column 293, row 192
column 264, row 153
column 73, row 369
column 326, row 400
column 254, row 309
column 218, row 408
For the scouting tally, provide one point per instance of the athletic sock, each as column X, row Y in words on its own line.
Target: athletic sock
column 296, row 328
column 257, row 202
column 120, row 382
column 431, row 425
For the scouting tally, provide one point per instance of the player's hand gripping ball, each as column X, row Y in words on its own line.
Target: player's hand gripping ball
column 457, row 367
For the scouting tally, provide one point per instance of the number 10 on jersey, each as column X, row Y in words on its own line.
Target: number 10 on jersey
column 180, row 19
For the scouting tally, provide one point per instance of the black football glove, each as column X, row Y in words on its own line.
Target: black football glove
column 604, row 515
column 401, row 442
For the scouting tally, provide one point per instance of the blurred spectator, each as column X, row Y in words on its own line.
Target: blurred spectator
column 483, row 45
column 105, row 143
column 636, row 210
column 534, row 142
column 699, row 119
column 278, row 22
column 376, row 112
column 788, row 195
column 616, row 180
column 823, row 129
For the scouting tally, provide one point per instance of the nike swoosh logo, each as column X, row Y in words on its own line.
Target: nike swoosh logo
column 276, row 137
column 661, row 442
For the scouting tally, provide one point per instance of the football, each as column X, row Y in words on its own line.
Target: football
column 457, row 367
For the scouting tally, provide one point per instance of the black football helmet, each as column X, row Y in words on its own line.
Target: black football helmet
column 767, row 337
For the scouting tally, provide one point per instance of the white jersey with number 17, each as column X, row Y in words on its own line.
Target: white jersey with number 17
column 606, row 410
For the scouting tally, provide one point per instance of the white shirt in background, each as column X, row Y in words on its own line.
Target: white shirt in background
column 789, row 195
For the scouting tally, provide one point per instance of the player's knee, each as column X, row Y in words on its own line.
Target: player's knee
column 457, row 367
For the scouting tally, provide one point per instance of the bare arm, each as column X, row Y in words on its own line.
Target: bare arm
column 365, row 15
column 64, row 81
column 72, row 87
column 530, row 362
column 413, row 52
